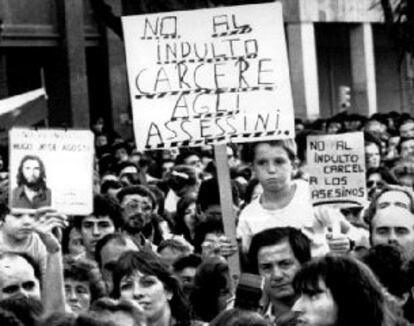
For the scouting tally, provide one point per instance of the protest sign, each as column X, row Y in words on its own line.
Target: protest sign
column 336, row 166
column 50, row 167
column 208, row 76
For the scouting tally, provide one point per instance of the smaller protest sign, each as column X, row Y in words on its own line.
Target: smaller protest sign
column 336, row 166
column 51, row 168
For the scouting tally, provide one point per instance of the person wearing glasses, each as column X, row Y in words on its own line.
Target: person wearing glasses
column 138, row 206
column 377, row 178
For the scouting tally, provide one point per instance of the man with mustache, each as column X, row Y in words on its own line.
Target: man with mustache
column 31, row 191
column 138, row 205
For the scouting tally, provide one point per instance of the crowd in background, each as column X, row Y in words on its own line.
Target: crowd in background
column 154, row 251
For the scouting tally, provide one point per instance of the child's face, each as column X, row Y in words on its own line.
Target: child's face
column 272, row 167
column 18, row 226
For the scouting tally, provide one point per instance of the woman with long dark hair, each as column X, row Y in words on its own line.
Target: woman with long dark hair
column 340, row 291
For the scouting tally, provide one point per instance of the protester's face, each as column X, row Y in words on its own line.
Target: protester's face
column 231, row 158
column 394, row 226
column 93, row 229
column 211, row 245
column 278, row 265
column 333, row 128
column 194, row 161
column 169, row 255
column 98, row 125
column 17, row 278
column 75, row 244
column 31, row 171
column 406, row 180
column 393, row 142
column 110, row 254
column 213, row 211
column 78, row 295
column 374, row 184
column 121, row 155
column 186, row 277
column 166, row 169
column 136, row 212
column 372, row 156
column 376, row 128
column 148, row 291
column 190, row 216
column 316, row 309
column 393, row 198
column 18, row 226
column 299, row 127
column 407, row 129
column 272, row 167
column 101, row 141
column 407, row 148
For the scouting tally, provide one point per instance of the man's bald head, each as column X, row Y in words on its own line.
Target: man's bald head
column 18, row 277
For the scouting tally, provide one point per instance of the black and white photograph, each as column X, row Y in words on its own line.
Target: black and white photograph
column 206, row 162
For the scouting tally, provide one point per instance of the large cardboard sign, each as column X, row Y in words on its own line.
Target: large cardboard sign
column 51, row 168
column 208, row 76
column 336, row 164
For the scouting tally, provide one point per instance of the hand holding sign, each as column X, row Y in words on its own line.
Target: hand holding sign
column 51, row 167
column 48, row 225
column 338, row 244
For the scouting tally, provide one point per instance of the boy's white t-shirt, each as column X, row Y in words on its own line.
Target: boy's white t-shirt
column 299, row 213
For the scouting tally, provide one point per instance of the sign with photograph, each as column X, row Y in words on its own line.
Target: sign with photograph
column 51, row 168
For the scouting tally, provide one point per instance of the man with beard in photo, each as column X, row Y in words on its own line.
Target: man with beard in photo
column 31, row 191
column 138, row 205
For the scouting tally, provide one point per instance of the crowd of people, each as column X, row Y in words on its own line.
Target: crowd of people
column 154, row 250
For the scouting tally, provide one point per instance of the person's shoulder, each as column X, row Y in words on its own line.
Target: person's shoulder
column 251, row 207
column 17, row 190
column 301, row 184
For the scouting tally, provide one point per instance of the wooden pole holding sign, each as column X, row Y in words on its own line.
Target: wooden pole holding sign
column 226, row 202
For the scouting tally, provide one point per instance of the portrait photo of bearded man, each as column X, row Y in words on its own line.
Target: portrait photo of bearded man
column 31, row 191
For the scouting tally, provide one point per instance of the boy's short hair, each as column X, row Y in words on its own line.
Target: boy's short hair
column 110, row 184
column 289, row 145
column 184, row 154
column 102, row 206
column 299, row 242
column 210, row 225
column 192, row 260
column 84, row 270
column 176, row 244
